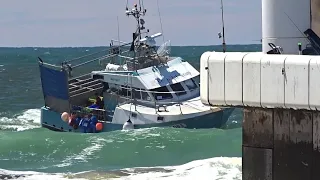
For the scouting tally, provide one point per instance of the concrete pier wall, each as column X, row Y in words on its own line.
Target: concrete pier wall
column 281, row 144
column 281, row 101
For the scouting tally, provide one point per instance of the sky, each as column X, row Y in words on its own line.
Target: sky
column 74, row 23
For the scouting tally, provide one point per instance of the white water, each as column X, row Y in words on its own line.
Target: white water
column 28, row 119
column 219, row 168
column 207, row 169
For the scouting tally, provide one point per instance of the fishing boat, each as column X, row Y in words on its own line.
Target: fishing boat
column 140, row 86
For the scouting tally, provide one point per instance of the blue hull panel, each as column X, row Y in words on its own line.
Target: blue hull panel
column 52, row 120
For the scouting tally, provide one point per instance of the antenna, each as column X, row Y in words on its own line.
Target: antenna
column 160, row 20
column 118, row 30
column 223, row 38
column 119, row 37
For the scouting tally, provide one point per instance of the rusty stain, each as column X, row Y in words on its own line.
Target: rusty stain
column 277, row 113
column 297, row 116
column 263, row 118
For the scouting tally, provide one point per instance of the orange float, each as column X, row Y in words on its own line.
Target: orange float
column 99, row 126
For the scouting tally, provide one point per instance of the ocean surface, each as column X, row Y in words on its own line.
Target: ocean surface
column 31, row 152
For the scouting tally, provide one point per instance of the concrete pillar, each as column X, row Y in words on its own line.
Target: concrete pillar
column 257, row 144
column 281, row 144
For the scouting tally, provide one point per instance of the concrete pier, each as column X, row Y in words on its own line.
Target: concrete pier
column 280, row 144
column 280, row 98
column 279, row 93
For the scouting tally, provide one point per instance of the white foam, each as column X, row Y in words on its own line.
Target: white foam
column 217, row 168
column 28, row 119
column 213, row 169
column 95, row 146
column 32, row 175
column 141, row 133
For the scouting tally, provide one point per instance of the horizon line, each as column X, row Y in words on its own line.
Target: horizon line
column 109, row 46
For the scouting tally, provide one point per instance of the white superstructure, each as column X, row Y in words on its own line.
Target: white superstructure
column 260, row 80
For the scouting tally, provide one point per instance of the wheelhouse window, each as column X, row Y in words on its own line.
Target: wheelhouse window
column 179, row 88
column 136, row 93
column 161, row 93
column 191, row 84
column 125, row 91
column 145, row 95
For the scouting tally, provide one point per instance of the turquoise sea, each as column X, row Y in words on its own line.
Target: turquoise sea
column 31, row 152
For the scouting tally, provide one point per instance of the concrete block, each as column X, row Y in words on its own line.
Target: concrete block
column 257, row 128
column 256, row 164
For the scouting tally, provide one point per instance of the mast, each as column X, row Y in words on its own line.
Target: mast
column 136, row 13
column 223, row 38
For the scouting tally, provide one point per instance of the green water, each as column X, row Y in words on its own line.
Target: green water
column 25, row 146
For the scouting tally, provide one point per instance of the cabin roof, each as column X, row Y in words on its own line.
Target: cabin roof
column 175, row 71
column 172, row 72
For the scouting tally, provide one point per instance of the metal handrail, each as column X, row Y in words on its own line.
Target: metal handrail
column 143, row 100
column 51, row 65
column 108, row 49
column 96, row 59
column 156, row 105
column 87, row 55
column 65, row 63
column 160, row 92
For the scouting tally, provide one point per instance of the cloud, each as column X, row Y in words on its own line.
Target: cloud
column 94, row 23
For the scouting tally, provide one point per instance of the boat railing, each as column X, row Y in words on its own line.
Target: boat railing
column 113, row 50
column 98, row 59
column 157, row 104
column 82, row 111
column 101, row 114
column 71, row 64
